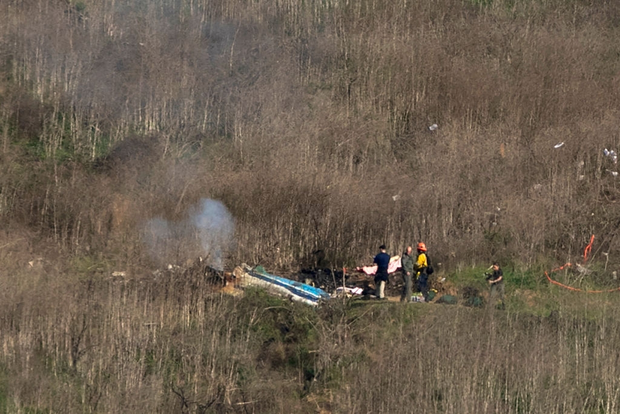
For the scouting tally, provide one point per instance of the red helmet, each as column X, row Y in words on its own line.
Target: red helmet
column 421, row 246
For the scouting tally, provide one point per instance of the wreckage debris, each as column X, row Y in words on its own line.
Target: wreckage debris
column 296, row 291
column 324, row 278
column 311, row 287
column 417, row 297
column 611, row 154
column 345, row 291
column 394, row 265
column 472, row 297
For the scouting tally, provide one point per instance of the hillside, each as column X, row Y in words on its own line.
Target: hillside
column 138, row 135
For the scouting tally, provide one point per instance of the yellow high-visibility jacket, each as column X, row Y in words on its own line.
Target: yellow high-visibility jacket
column 420, row 264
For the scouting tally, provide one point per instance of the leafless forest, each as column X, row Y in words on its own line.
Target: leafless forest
column 309, row 121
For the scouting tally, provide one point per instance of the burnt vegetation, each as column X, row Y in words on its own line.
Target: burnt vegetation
column 309, row 121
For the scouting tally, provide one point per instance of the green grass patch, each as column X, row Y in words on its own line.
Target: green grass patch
column 89, row 264
column 469, row 276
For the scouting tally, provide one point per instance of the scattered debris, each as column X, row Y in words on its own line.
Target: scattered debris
column 310, row 286
column 392, row 267
column 611, row 154
column 348, row 292
column 417, row 297
column 396, row 197
column 606, row 254
column 323, row 278
column 119, row 274
column 614, row 173
column 36, row 263
column 232, row 290
column 296, row 291
column 580, row 173
column 582, row 269
column 470, row 292
column 433, row 127
column 472, row 297
column 560, row 145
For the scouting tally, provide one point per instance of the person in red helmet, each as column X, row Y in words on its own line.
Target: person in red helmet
column 420, row 267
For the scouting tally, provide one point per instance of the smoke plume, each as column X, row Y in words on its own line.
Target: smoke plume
column 207, row 232
column 214, row 226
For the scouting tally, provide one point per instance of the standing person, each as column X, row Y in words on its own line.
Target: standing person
column 419, row 267
column 407, row 268
column 382, row 260
column 496, row 281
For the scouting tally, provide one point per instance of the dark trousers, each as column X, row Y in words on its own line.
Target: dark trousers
column 381, row 279
column 406, row 296
column 497, row 293
column 422, row 285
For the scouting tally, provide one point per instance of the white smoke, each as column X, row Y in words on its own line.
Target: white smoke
column 207, row 232
column 157, row 234
column 215, row 227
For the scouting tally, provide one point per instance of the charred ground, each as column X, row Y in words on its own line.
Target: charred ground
column 309, row 122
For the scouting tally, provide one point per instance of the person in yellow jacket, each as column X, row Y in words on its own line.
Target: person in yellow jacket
column 420, row 267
